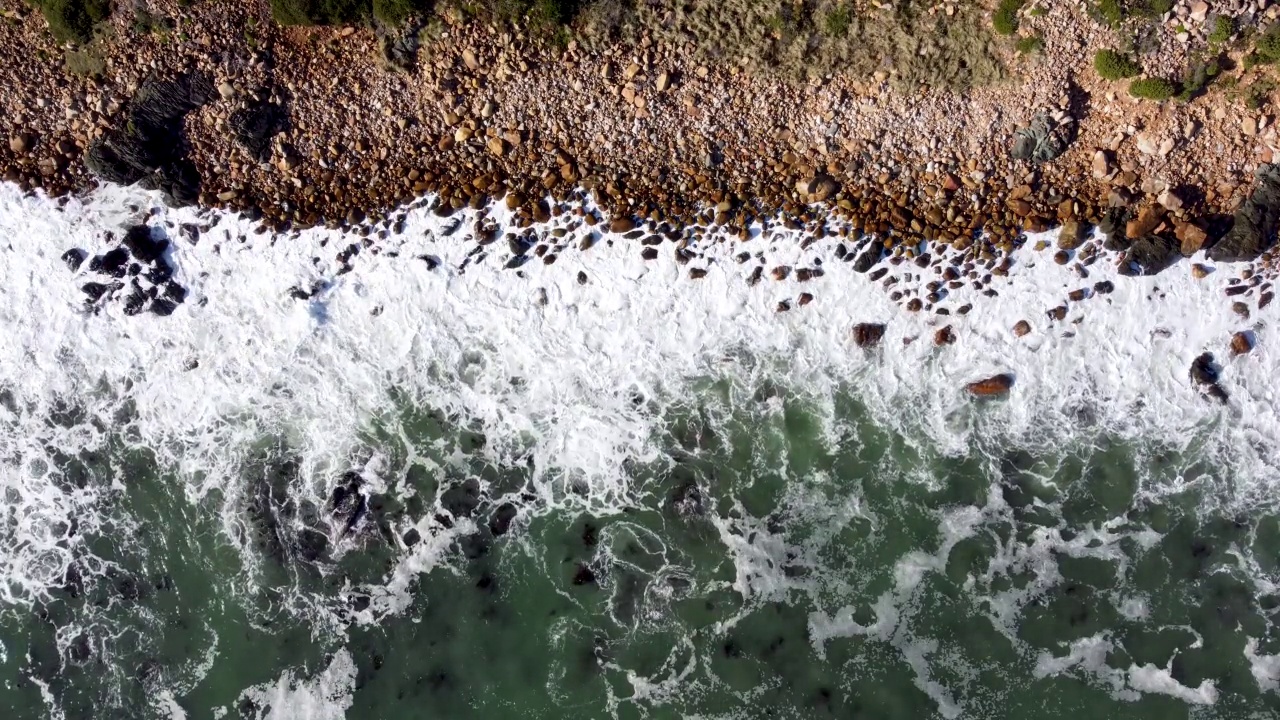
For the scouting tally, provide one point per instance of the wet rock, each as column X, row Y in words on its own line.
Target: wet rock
column 697, row 273
column 1021, row 328
column 74, row 258
column 114, row 263
column 1241, row 343
column 649, row 253
column 990, row 387
column 163, row 307
column 143, row 245
column 944, row 336
column 1191, row 238
column 502, row 518
column 1104, row 287
column 868, row 334
column 1204, row 375
column 136, row 300
column 1200, row 271
column 867, row 258
column 94, row 291
column 1151, row 254
column 622, row 225
column 1070, row 235
column 1255, row 224
column 1058, row 313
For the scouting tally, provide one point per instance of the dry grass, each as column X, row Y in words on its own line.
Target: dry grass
column 800, row 39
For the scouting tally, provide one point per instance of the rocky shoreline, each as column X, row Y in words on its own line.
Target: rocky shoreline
column 308, row 126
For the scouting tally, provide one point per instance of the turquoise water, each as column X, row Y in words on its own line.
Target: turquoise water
column 709, row 592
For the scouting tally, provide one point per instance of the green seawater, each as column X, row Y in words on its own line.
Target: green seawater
column 782, row 557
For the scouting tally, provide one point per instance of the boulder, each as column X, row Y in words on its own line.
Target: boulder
column 1241, row 343
column 150, row 146
column 74, row 258
column 1070, row 235
column 868, row 258
column 992, row 386
column 1191, row 238
column 1152, row 253
column 140, row 242
column 868, row 334
column 1255, row 222
column 622, row 225
column 1204, row 375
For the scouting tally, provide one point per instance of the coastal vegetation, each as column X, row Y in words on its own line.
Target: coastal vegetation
column 73, row 20
column 1111, row 65
column 1152, row 89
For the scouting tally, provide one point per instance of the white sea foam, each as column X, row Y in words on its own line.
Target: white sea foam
column 327, row 696
column 556, row 379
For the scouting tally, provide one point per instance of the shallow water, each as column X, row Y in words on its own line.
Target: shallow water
column 597, row 488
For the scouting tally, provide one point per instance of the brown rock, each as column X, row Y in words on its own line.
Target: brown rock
column 992, row 386
column 1070, row 236
column 1199, row 271
column 498, row 146
column 1022, row 327
column 944, row 336
column 697, row 273
column 1192, row 238
column 868, row 334
column 805, row 299
column 780, row 273
column 622, row 225
column 1057, row 313
column 1241, row 343
column 1148, row 220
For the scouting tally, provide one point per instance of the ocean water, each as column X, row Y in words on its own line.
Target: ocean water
column 449, row 485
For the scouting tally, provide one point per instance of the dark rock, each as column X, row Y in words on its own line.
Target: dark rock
column 143, row 244
column 114, row 263
column 94, row 291
column 502, row 518
column 135, row 302
column 1204, row 374
column 868, row 258
column 868, row 334
column 160, row 273
column 74, row 258
column 1256, row 221
column 649, row 253
column 150, row 147
column 583, row 575
column 175, row 292
column 1152, row 253
column 255, row 125
column 163, row 307
column 1104, row 287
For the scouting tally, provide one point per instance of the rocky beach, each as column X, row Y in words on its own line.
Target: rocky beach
column 820, row 358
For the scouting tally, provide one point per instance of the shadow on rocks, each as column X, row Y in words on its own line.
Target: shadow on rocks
column 1255, row 222
column 151, row 147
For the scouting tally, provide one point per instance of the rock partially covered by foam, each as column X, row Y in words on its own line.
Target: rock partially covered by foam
column 1204, row 374
column 868, row 334
column 991, row 387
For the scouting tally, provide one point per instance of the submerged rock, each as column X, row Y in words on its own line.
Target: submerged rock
column 74, row 258
column 1241, row 343
column 1255, row 222
column 992, row 386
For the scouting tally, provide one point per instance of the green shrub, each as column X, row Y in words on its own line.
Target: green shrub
column 1152, row 89
column 1223, row 28
column 319, row 12
column 1198, row 77
column 73, row 20
column 1111, row 65
column 1005, row 21
column 1156, row 8
column 837, row 21
column 1267, row 47
column 1111, row 11
column 1029, row 45
column 396, row 12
